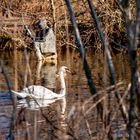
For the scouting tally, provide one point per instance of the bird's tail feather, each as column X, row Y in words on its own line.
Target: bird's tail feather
column 20, row 94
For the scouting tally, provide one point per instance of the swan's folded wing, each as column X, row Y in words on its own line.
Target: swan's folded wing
column 44, row 93
column 39, row 92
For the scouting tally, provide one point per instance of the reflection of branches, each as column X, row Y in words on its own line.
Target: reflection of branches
column 10, row 136
column 47, row 119
column 55, row 127
column 7, row 80
column 104, row 96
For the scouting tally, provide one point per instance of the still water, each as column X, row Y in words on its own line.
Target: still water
column 62, row 119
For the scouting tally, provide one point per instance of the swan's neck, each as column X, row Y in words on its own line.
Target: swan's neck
column 63, row 86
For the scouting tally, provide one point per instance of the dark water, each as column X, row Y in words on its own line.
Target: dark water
column 22, row 70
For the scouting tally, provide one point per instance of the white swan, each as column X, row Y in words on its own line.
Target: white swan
column 40, row 92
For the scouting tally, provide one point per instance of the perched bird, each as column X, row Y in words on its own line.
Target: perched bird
column 40, row 92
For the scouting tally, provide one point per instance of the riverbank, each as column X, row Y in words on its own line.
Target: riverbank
column 23, row 13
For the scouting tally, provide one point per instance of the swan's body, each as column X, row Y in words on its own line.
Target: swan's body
column 40, row 92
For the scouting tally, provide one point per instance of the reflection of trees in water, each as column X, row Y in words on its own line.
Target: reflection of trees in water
column 78, row 87
column 46, row 74
column 55, row 123
column 44, row 123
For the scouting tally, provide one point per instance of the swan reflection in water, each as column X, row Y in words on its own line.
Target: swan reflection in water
column 35, row 97
column 34, row 104
column 46, row 72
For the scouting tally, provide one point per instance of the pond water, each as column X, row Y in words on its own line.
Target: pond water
column 49, row 122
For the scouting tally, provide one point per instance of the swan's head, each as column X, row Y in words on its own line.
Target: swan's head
column 64, row 69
